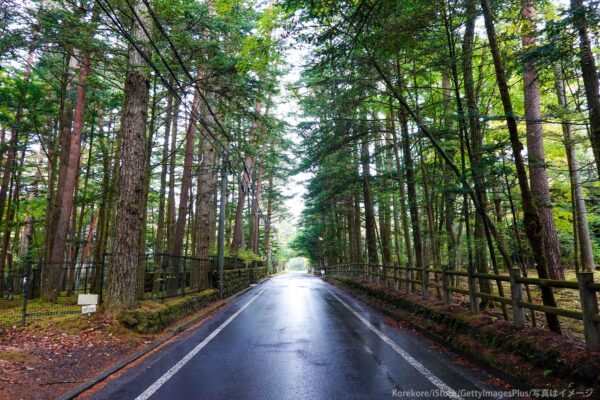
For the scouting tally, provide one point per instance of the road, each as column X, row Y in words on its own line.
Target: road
column 297, row 337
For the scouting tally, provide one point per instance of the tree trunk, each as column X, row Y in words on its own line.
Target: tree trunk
column 535, row 144
column 172, row 163
column 67, row 190
column 121, row 292
column 409, row 176
column 582, row 231
column 368, row 202
column 159, row 247
column 589, row 75
column 532, row 221
column 402, row 199
column 255, row 231
column 237, row 242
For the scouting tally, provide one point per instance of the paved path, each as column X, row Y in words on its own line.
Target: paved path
column 296, row 337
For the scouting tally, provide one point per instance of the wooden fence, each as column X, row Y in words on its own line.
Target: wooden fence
column 420, row 279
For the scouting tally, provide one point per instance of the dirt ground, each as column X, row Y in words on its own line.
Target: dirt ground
column 46, row 359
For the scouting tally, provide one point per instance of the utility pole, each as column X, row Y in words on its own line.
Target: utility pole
column 222, row 208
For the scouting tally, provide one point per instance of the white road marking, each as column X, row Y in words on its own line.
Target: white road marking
column 169, row 374
column 447, row 390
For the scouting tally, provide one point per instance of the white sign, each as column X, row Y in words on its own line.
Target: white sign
column 88, row 309
column 86, row 299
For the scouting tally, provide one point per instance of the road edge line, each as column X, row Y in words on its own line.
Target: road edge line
column 90, row 383
column 146, row 394
column 430, row 376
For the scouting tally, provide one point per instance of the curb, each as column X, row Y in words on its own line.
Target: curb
column 71, row 394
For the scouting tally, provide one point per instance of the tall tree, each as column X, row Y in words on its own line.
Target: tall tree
column 535, row 141
column 121, row 291
column 589, row 73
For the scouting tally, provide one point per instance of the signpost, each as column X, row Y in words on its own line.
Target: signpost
column 88, row 303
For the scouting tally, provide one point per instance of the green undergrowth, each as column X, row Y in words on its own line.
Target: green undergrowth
column 487, row 339
column 152, row 317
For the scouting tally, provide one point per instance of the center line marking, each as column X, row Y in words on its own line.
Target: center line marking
column 175, row 368
column 448, row 391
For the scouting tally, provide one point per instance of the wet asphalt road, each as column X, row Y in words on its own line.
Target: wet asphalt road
column 297, row 337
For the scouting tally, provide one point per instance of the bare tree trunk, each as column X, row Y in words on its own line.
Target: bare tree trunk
column 402, row 199
column 104, row 211
column 409, row 176
column 159, row 247
column 535, row 144
column 532, row 221
column 368, row 202
column 384, row 210
column 582, row 229
column 237, row 242
column 184, row 195
column 589, row 75
column 67, row 190
column 172, row 162
column 255, row 231
column 121, row 292
column 66, row 125
column 207, row 187
column 352, row 230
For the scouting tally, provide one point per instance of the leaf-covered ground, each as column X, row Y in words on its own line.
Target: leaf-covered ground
column 47, row 358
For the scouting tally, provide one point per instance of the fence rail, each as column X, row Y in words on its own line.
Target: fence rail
column 164, row 276
column 411, row 279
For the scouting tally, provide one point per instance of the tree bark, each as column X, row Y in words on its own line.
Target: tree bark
column 67, row 190
column 121, row 292
column 589, row 74
column 237, row 241
column 535, row 143
column 582, row 231
column 368, row 202
column 409, row 177
column 532, row 221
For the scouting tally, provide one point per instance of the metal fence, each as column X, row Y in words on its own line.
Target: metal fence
column 511, row 291
column 22, row 290
column 166, row 275
column 161, row 276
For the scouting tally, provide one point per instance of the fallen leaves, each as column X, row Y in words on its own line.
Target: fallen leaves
column 45, row 359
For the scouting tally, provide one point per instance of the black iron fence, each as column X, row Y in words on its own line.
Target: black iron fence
column 23, row 296
column 161, row 276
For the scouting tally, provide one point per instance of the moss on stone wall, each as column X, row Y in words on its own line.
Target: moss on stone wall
column 157, row 317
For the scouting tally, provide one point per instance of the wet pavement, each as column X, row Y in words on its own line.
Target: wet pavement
column 297, row 337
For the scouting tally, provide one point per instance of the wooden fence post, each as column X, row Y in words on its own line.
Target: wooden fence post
column 396, row 276
column 516, row 294
column 425, row 282
column 589, row 309
column 472, row 284
column 446, row 285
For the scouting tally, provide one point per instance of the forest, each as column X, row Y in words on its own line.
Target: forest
column 124, row 126
column 456, row 135
column 453, row 136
